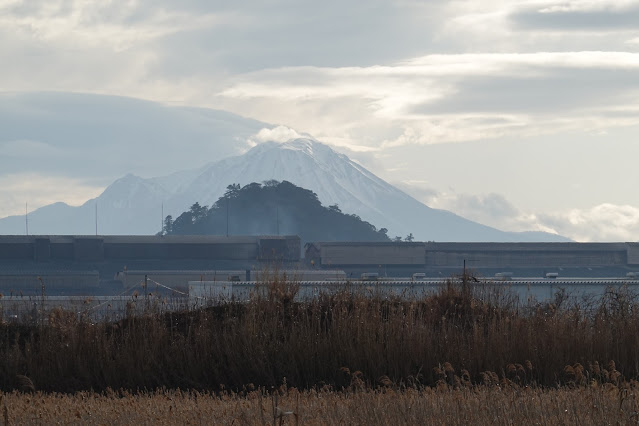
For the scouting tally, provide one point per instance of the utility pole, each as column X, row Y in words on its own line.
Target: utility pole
column 467, row 278
column 26, row 217
column 464, row 270
column 228, row 200
column 162, row 221
column 464, row 278
column 96, row 218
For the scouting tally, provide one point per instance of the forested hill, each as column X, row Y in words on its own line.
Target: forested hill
column 273, row 208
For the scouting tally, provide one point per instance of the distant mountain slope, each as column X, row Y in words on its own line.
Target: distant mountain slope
column 132, row 205
column 275, row 208
column 539, row 236
column 338, row 180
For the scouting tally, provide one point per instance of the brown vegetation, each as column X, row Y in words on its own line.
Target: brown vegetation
column 454, row 340
column 478, row 405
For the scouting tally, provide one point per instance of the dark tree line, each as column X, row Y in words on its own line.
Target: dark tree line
column 273, row 208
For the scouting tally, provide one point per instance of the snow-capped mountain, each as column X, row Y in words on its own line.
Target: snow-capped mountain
column 133, row 205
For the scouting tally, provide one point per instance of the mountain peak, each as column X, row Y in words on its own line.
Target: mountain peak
column 318, row 151
column 127, row 205
column 130, row 190
column 305, row 145
column 129, row 177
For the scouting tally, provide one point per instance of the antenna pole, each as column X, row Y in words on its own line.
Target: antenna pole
column 26, row 217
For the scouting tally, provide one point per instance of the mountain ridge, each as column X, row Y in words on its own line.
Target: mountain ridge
column 135, row 205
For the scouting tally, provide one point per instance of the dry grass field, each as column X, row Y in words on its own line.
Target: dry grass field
column 478, row 406
column 460, row 356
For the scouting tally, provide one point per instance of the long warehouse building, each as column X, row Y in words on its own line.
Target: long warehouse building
column 393, row 258
column 122, row 247
column 68, row 264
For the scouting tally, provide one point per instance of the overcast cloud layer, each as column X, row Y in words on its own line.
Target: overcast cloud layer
column 522, row 115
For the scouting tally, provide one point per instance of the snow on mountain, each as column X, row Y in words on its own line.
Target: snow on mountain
column 133, row 205
column 336, row 180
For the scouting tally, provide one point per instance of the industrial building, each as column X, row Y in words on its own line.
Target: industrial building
column 108, row 265
column 49, row 282
column 122, row 247
column 437, row 259
column 97, row 264
column 175, row 281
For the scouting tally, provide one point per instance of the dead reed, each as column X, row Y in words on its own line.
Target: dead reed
column 478, row 405
column 455, row 338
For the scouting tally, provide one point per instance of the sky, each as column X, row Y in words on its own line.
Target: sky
column 522, row 115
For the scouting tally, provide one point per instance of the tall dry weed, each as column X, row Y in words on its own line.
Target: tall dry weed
column 469, row 335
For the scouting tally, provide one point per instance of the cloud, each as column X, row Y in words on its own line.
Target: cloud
column 586, row 6
column 92, row 140
column 530, row 26
column 356, row 75
column 26, row 149
column 554, row 91
column 579, row 15
column 277, row 134
column 98, row 24
column 449, row 98
column 38, row 190
column 192, row 40
column 602, row 222
column 349, row 145
column 490, row 209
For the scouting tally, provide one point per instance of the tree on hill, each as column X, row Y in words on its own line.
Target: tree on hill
column 272, row 208
column 168, row 225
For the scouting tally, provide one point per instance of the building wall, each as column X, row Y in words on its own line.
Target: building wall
column 228, row 251
column 372, row 254
column 285, row 248
column 88, row 250
column 176, row 280
column 633, row 254
column 298, row 275
column 480, row 255
column 42, row 249
column 16, row 247
column 53, row 282
column 105, row 248
column 62, row 250
column 490, row 259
